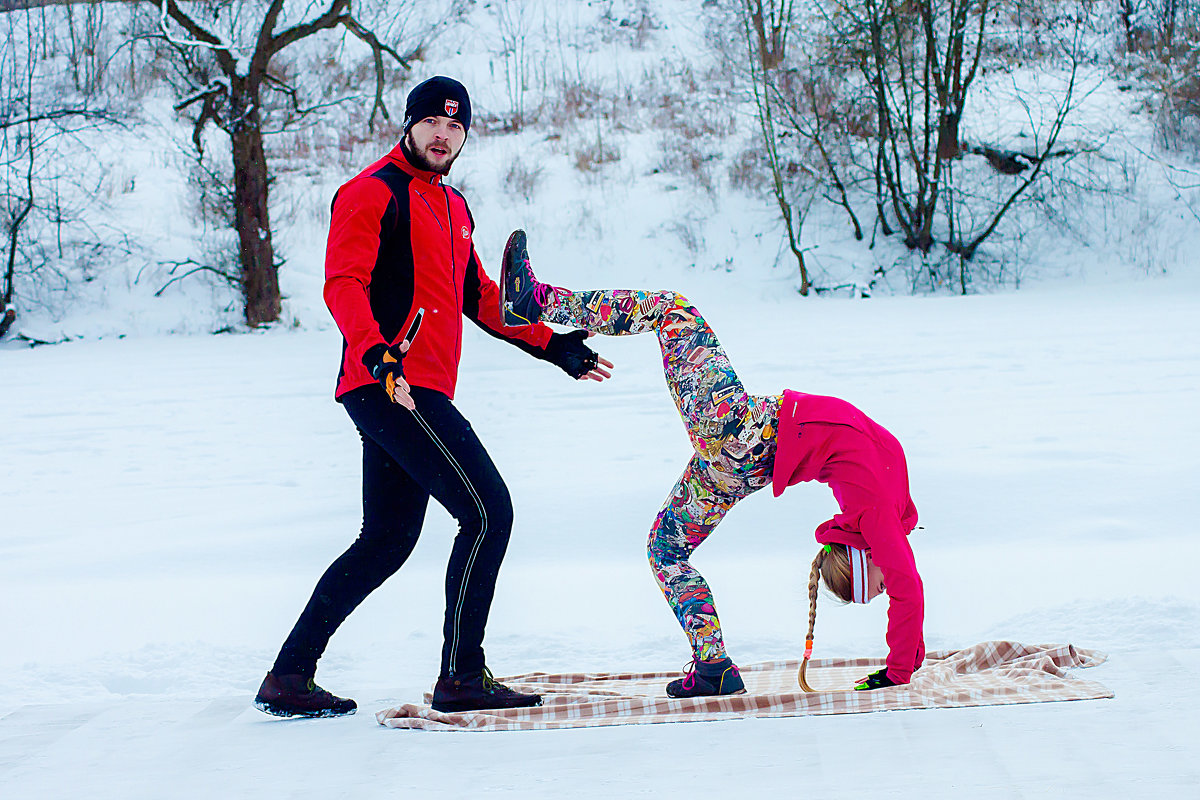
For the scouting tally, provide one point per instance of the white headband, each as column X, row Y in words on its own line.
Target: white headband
column 858, row 574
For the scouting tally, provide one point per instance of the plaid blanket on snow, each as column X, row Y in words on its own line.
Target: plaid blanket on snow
column 991, row 673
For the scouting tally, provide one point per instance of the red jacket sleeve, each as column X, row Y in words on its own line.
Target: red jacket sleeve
column 890, row 550
column 350, row 257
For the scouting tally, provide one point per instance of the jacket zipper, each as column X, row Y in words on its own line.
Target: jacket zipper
column 453, row 272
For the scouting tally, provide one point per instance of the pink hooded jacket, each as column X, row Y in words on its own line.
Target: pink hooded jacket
column 828, row 440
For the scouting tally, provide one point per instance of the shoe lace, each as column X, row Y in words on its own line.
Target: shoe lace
column 491, row 685
column 542, row 291
column 317, row 691
column 689, row 678
column 691, row 670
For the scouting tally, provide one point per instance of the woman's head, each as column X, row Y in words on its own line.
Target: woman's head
column 848, row 573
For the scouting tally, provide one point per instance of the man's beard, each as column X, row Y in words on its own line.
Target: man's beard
column 421, row 162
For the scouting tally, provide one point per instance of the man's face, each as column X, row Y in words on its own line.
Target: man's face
column 435, row 142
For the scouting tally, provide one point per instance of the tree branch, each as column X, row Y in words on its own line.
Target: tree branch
column 220, row 49
column 231, row 279
column 278, row 85
column 377, row 50
column 968, row 251
column 208, row 112
column 60, row 113
column 28, row 5
column 332, row 17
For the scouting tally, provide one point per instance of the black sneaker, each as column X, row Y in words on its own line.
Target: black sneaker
column 298, row 696
column 473, row 691
column 522, row 296
column 706, row 679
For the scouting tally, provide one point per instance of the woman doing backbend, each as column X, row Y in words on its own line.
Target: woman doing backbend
column 742, row 443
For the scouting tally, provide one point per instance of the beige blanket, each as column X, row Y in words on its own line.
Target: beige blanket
column 991, row 673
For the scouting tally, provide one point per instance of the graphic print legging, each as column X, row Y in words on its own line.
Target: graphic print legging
column 733, row 434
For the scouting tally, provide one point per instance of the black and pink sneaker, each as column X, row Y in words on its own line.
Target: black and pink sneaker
column 299, row 696
column 522, row 296
column 707, row 679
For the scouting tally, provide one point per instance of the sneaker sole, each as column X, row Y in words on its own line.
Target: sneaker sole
column 510, row 318
column 689, row 696
column 459, row 708
column 286, row 711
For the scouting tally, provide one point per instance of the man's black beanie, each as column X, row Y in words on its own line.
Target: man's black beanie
column 438, row 97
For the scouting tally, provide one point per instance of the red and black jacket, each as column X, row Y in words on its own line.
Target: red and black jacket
column 400, row 240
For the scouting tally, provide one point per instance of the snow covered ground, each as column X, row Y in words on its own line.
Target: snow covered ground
column 168, row 504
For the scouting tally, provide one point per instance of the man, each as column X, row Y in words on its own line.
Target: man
column 399, row 257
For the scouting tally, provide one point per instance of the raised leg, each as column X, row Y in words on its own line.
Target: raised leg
column 706, row 389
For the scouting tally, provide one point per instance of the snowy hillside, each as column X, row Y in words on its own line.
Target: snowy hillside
column 637, row 160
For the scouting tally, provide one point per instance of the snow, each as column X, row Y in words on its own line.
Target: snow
column 169, row 503
column 169, row 498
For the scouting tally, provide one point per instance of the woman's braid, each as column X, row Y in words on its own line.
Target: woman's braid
column 814, row 577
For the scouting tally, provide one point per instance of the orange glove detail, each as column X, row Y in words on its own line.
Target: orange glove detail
column 386, row 366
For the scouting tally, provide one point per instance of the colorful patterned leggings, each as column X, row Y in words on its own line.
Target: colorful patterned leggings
column 732, row 433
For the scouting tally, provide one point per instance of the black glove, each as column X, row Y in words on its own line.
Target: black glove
column 386, row 366
column 876, row 680
column 568, row 352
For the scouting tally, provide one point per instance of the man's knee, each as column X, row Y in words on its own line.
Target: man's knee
column 384, row 549
column 500, row 515
column 492, row 514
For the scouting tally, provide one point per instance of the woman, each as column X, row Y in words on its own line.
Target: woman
column 743, row 442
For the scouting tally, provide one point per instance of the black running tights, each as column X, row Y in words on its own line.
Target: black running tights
column 409, row 457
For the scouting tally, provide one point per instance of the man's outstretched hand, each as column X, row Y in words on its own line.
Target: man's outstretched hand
column 568, row 352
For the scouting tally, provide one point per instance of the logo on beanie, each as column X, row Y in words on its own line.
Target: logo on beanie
column 451, row 108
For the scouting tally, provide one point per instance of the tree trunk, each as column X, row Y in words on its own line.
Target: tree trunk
column 10, row 266
column 9, row 314
column 947, row 141
column 1127, row 21
column 260, row 279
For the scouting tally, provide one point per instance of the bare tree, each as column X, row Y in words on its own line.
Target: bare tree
column 808, row 98
column 31, row 119
column 879, row 96
column 919, row 60
column 231, row 97
column 225, row 50
column 965, row 240
column 1165, row 26
column 515, row 20
column 765, row 25
column 16, row 207
column 769, row 22
column 1164, row 42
